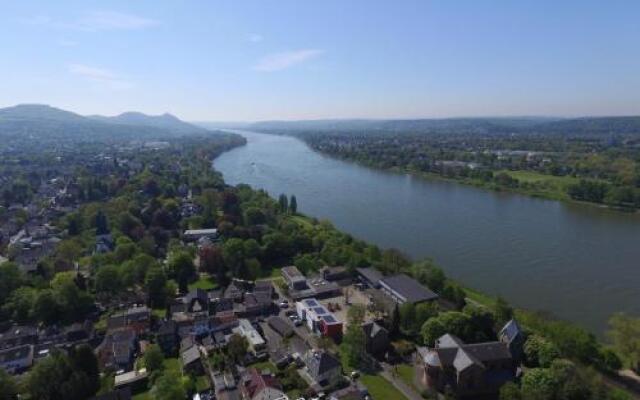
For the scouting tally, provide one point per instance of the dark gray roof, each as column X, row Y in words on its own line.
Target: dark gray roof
column 319, row 362
column 371, row 274
column 280, row 326
column 372, row 329
column 408, row 288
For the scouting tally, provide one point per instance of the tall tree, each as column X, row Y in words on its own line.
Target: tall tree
column 293, row 205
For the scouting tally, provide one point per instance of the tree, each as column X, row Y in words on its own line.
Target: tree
column 394, row 324
column 539, row 352
column 407, row 318
column 354, row 342
column 429, row 274
column 453, row 322
column 283, row 203
column 625, row 335
column 108, row 280
column 10, row 279
column 84, row 360
column 46, row 308
column 233, row 253
column 8, row 386
column 510, row 391
column 168, row 387
column 59, row 377
column 156, row 282
column 538, row 384
column 237, row 348
column 102, row 226
column 254, row 216
column 19, row 306
column 153, row 358
column 181, row 267
column 293, row 205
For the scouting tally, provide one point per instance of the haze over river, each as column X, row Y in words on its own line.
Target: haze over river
column 582, row 263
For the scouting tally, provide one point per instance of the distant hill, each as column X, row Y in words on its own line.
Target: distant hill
column 164, row 121
column 37, row 120
column 494, row 125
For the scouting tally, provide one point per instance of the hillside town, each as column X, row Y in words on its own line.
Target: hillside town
column 139, row 274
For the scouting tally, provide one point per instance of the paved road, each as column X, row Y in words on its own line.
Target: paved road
column 408, row 391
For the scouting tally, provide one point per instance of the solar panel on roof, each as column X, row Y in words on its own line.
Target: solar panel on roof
column 320, row 310
column 312, row 303
column 329, row 318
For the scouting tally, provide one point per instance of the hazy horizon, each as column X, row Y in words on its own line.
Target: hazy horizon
column 255, row 61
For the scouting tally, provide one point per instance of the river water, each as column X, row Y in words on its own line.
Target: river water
column 579, row 262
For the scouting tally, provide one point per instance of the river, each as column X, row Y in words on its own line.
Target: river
column 579, row 262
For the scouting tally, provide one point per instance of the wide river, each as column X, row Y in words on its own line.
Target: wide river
column 581, row 263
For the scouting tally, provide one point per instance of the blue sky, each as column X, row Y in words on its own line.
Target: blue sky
column 256, row 60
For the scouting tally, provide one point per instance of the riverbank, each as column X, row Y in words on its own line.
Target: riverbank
column 531, row 184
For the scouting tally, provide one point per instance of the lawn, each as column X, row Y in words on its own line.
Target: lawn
column 380, row 388
column 202, row 383
column 204, row 283
column 260, row 366
column 305, row 222
column 545, row 185
column 407, row 373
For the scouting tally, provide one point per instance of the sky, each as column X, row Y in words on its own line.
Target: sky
column 263, row 60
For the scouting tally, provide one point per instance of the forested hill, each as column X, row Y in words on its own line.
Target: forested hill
column 495, row 126
column 36, row 120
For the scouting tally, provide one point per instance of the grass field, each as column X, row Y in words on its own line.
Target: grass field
column 543, row 185
column 380, row 388
column 205, row 283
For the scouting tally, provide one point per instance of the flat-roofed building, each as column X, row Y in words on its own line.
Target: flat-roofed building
column 318, row 319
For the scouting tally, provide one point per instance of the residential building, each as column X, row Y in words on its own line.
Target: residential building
column 193, row 235
column 318, row 319
column 167, row 337
column 256, row 385
column 257, row 344
column 469, row 370
column 376, row 338
column 191, row 361
column 323, row 368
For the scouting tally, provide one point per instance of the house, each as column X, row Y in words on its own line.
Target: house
column 264, row 289
column 256, row 385
column 197, row 301
column 370, row 276
column 18, row 336
column 257, row 344
column 280, row 326
column 402, row 289
column 512, row 335
column 191, row 361
column 254, row 305
column 193, row 235
column 167, row 337
column 323, row 368
column 137, row 318
column 225, row 387
column 376, row 338
column 118, row 349
column 318, row 319
column 469, row 370
column 294, row 278
column 17, row 359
